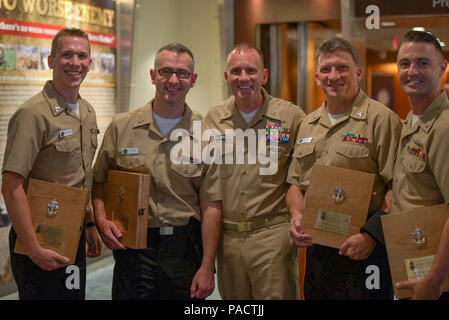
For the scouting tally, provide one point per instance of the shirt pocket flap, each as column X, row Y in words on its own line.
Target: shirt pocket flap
column 188, row 170
column 415, row 165
column 67, row 144
column 131, row 161
column 353, row 151
column 303, row 150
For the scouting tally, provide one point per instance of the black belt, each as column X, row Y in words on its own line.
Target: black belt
column 171, row 230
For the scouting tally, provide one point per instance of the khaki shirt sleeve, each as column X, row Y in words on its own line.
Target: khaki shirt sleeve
column 439, row 164
column 293, row 173
column 211, row 184
column 106, row 155
column 387, row 134
column 24, row 142
column 294, row 170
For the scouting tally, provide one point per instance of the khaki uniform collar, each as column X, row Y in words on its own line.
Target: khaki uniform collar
column 145, row 116
column 358, row 110
column 428, row 118
column 58, row 105
column 232, row 109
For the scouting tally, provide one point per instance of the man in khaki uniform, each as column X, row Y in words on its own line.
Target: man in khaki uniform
column 351, row 131
column 256, row 258
column 421, row 172
column 51, row 137
column 181, row 195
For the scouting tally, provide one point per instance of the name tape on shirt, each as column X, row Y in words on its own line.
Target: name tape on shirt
column 130, row 150
column 65, row 133
column 305, row 140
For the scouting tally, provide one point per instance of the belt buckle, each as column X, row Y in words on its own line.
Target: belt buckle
column 244, row 226
column 166, row 231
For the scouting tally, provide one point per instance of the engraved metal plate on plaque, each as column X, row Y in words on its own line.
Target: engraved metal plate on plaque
column 333, row 222
column 417, row 268
column 50, row 235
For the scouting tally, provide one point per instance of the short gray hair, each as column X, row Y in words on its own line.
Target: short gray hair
column 176, row 48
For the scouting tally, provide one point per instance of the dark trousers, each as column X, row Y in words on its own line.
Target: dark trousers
column 33, row 283
column 330, row 276
column 164, row 270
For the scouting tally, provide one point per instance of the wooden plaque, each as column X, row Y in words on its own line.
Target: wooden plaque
column 331, row 221
column 127, row 201
column 57, row 214
column 409, row 260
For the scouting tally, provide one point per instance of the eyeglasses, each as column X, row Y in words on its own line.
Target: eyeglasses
column 167, row 73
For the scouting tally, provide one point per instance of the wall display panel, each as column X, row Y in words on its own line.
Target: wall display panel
column 26, row 30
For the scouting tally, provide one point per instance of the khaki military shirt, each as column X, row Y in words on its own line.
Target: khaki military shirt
column 421, row 172
column 133, row 143
column 47, row 141
column 363, row 139
column 247, row 193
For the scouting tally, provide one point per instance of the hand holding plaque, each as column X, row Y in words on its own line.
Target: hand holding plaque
column 57, row 214
column 336, row 204
column 412, row 239
column 127, row 198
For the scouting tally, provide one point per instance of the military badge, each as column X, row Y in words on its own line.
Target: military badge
column 277, row 133
column 416, row 151
column 359, row 138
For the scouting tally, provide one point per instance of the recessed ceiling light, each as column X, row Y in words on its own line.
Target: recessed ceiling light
column 419, row 29
column 388, row 24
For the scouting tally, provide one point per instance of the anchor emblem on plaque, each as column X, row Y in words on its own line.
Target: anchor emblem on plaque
column 119, row 217
column 418, row 237
column 52, row 208
column 120, row 195
column 339, row 194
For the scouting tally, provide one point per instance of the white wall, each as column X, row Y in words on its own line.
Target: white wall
column 194, row 23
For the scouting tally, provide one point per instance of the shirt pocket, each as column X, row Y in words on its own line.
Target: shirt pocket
column 302, row 151
column 134, row 163
column 185, row 180
column 188, row 170
column 420, row 177
column 226, row 169
column 67, row 144
column 415, row 165
column 353, row 151
column 67, row 157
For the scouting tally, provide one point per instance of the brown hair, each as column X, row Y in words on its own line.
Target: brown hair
column 334, row 44
column 70, row 32
column 421, row 36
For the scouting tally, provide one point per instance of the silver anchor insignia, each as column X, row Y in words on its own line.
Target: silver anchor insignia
column 418, row 237
column 339, row 194
column 52, row 208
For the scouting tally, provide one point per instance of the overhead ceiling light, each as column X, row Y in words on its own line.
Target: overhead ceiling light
column 419, row 29
column 388, row 24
